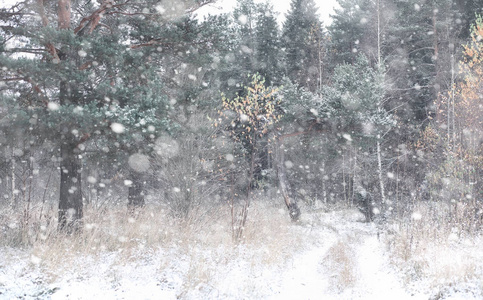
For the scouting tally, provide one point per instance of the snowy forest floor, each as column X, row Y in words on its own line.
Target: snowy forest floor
column 327, row 255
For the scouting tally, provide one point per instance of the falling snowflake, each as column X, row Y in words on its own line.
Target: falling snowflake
column 117, row 127
column 53, row 106
column 347, row 137
column 139, row 162
column 288, row 164
column 243, row 19
column 416, row 216
column 82, row 53
column 166, row 146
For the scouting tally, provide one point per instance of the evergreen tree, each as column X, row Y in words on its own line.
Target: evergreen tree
column 352, row 31
column 418, row 56
column 353, row 106
column 93, row 82
column 255, row 44
column 268, row 53
column 244, row 57
column 303, row 40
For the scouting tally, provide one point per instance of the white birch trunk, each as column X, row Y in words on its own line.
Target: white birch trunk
column 14, row 188
column 379, row 164
column 324, row 188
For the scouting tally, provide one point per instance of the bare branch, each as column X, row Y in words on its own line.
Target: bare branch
column 14, row 79
column 90, row 22
column 33, row 51
column 11, row 14
column 155, row 42
column 131, row 14
column 35, row 87
column 199, row 5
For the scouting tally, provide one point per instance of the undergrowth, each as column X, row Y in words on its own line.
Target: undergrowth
column 436, row 249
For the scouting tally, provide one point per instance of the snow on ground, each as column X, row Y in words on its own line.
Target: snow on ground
column 377, row 280
column 341, row 258
column 371, row 278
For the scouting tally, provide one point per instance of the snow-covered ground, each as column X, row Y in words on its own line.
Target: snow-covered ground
column 331, row 256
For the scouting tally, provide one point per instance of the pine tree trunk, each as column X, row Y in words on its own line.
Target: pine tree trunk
column 70, row 200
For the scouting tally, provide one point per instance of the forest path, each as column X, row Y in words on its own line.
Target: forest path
column 347, row 262
column 376, row 279
column 338, row 257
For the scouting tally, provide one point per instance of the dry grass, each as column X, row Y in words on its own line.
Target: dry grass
column 203, row 240
column 269, row 230
column 433, row 248
column 340, row 264
column 110, row 229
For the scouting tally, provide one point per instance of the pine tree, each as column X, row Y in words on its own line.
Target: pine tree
column 303, row 40
column 352, row 31
column 418, row 53
column 353, row 106
column 93, row 80
column 268, row 52
column 255, row 43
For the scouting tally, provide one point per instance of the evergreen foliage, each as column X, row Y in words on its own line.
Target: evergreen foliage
column 268, row 52
column 303, row 39
column 122, row 93
column 351, row 31
column 100, row 84
column 354, row 101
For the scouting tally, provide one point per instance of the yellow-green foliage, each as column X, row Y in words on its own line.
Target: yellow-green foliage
column 252, row 114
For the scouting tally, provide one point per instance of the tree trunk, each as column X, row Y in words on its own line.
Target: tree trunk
column 14, row 188
column 251, row 181
column 381, row 176
column 261, row 163
column 324, row 187
column 63, row 14
column 284, row 186
column 70, row 200
column 136, row 192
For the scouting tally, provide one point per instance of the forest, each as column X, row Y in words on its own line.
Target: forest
column 131, row 125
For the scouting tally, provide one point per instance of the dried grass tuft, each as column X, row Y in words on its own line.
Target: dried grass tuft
column 435, row 248
column 339, row 263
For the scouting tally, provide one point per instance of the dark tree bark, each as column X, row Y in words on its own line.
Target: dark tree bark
column 262, row 162
column 136, row 192
column 364, row 204
column 285, row 189
column 70, row 200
